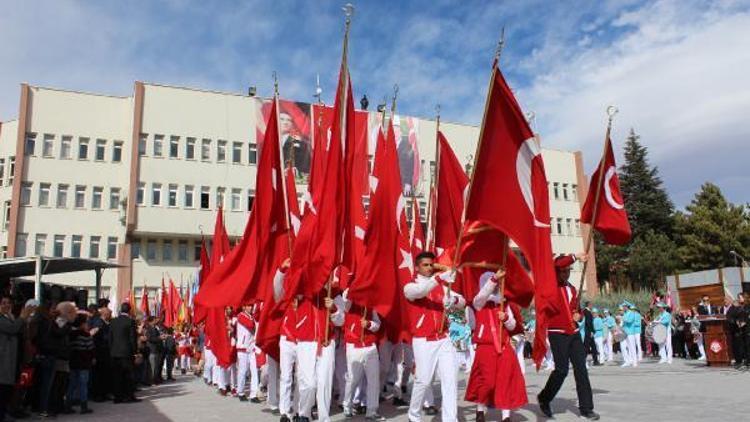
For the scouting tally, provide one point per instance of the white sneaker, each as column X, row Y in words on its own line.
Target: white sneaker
column 624, row 365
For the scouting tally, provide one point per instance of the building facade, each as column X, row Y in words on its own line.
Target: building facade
column 138, row 180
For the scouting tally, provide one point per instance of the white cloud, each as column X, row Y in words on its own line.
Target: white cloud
column 679, row 77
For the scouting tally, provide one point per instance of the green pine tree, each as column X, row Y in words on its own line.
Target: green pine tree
column 647, row 203
column 710, row 228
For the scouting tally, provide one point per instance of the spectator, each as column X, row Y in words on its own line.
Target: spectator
column 170, row 352
column 11, row 329
column 156, row 349
column 101, row 375
column 81, row 361
column 123, row 352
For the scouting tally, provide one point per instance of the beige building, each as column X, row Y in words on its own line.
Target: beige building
column 136, row 180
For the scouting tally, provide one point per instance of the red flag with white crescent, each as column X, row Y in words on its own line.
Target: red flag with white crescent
column 611, row 218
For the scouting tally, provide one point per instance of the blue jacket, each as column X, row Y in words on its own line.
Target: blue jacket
column 598, row 327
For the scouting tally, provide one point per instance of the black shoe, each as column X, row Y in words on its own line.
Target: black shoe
column 256, row 400
column 399, row 402
column 480, row 416
column 284, row 418
column 243, row 398
column 544, row 407
column 303, row 419
column 430, row 410
column 590, row 415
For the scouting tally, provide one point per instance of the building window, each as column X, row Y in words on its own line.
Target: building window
column 559, row 226
column 94, row 246
column 114, row 198
column 197, row 252
column 205, row 149
column 236, row 199
column 44, row 189
column 65, row 142
column 166, row 251
column 220, row 197
column 30, row 144
column 96, row 198
column 62, row 196
column 578, row 227
column 250, row 199
column 205, row 197
column 158, row 143
column 117, row 152
column 101, row 148
column 142, row 144
column 182, row 250
column 21, row 240
column 6, row 215
column 151, row 250
column 140, row 194
column 190, row 149
column 26, row 193
column 237, row 152
column 40, row 244
column 47, row 145
column 556, row 190
column 111, row 247
column 569, row 227
column 80, row 196
column 565, row 191
column 174, row 147
column 172, row 199
column 11, row 169
column 58, row 245
column 75, row 245
column 2, row 170
column 83, row 148
column 574, row 192
column 252, row 156
column 221, row 151
column 189, row 192
column 156, row 194
column 135, row 249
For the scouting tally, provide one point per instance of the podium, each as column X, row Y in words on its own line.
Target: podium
column 716, row 340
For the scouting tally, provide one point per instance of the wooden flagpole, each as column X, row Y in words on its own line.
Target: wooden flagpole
column 282, row 175
column 611, row 111
column 432, row 203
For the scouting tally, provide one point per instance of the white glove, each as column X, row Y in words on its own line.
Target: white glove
column 448, row 277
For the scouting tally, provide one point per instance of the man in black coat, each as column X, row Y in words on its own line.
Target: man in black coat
column 155, row 338
column 101, row 381
column 122, row 350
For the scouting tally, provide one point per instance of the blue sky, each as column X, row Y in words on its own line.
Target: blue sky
column 676, row 69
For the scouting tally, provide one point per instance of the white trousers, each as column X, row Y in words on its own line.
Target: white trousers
column 272, row 374
column 362, row 361
column 339, row 371
column 701, row 346
column 665, row 349
column 608, row 346
column 632, row 354
column 638, row 347
column 315, row 378
column 430, row 356
column 209, row 362
column 246, row 366
column 520, row 345
column 599, row 341
column 288, row 359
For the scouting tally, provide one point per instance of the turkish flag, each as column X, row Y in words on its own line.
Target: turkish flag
column 611, row 217
column 166, row 306
column 144, row 303
column 449, row 200
column 318, row 249
column 509, row 193
column 417, row 232
column 175, row 302
column 199, row 311
column 377, row 284
column 269, row 327
column 482, row 251
column 240, row 278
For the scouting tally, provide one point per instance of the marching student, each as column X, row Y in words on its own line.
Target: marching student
column 496, row 379
column 245, row 337
column 430, row 297
column 287, row 349
column 598, row 324
column 609, row 326
column 665, row 319
column 631, row 322
column 566, row 345
column 361, row 327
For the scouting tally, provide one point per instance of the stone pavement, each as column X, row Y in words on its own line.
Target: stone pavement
column 683, row 391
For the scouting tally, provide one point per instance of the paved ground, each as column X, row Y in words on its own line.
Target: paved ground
column 684, row 391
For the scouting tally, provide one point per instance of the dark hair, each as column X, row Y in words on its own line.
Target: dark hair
column 80, row 320
column 424, row 255
column 103, row 303
column 125, row 308
column 6, row 296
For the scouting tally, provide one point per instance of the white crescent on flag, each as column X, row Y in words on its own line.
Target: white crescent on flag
column 526, row 154
column 608, row 189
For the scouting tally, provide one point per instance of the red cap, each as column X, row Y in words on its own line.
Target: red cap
column 563, row 262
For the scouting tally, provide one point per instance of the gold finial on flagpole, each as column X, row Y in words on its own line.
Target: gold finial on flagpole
column 348, row 12
column 611, row 112
column 500, row 45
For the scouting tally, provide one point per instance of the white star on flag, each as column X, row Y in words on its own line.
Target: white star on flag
column 407, row 261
